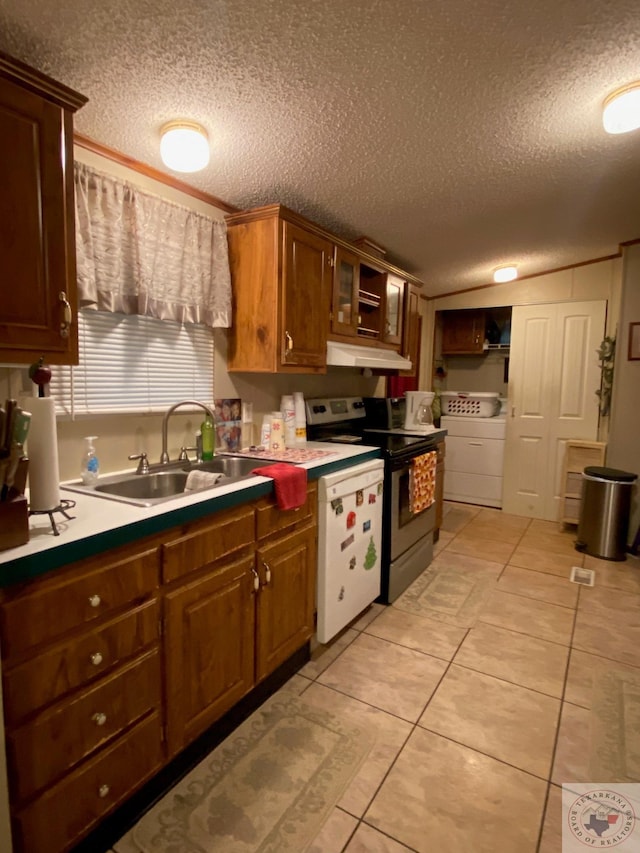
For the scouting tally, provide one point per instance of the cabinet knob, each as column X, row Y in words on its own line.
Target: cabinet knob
column 67, row 316
column 289, row 340
column 95, row 600
column 99, row 718
column 96, row 658
column 103, row 791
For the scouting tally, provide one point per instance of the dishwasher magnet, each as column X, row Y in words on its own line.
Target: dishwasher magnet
column 351, row 520
column 348, row 541
column 336, row 506
column 371, row 557
column 359, row 497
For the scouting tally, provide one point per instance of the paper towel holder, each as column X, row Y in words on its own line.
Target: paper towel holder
column 62, row 507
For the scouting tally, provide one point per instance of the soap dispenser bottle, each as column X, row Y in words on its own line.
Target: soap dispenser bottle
column 89, row 466
column 207, row 431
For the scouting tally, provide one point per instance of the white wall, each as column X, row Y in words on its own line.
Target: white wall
column 624, row 434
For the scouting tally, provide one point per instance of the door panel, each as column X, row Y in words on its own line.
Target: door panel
column 306, row 297
column 574, row 372
column 553, row 377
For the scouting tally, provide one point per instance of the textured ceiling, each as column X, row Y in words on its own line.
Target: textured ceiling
column 460, row 135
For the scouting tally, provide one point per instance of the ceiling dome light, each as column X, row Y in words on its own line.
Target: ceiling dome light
column 184, row 146
column 621, row 111
column 502, row 274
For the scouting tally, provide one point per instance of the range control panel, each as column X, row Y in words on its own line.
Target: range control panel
column 333, row 410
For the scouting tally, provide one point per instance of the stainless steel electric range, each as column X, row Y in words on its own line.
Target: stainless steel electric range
column 407, row 538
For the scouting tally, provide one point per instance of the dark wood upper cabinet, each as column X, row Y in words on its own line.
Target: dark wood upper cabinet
column 463, row 332
column 38, row 309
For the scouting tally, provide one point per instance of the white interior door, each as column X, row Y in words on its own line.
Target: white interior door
column 553, row 377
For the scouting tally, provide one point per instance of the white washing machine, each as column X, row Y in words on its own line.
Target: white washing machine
column 474, row 461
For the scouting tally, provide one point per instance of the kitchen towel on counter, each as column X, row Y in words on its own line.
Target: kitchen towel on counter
column 42, row 448
column 290, row 483
column 201, row 480
column 422, row 482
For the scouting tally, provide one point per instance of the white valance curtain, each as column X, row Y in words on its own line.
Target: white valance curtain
column 140, row 254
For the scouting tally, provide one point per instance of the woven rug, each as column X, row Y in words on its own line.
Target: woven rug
column 456, row 598
column 268, row 788
column 615, row 726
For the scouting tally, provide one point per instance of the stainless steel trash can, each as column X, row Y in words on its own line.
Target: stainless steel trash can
column 604, row 512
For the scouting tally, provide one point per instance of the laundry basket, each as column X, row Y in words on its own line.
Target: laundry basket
column 476, row 404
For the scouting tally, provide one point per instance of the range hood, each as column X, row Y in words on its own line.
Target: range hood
column 348, row 355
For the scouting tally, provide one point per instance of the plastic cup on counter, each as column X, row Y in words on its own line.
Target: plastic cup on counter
column 276, row 439
column 289, row 418
column 265, row 432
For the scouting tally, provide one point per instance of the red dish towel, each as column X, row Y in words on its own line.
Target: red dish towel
column 290, row 483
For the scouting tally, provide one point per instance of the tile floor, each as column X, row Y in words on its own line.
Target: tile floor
column 486, row 685
column 480, row 686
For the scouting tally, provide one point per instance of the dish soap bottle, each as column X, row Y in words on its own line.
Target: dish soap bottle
column 208, row 439
column 90, row 467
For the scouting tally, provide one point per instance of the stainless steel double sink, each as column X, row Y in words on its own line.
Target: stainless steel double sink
column 166, row 482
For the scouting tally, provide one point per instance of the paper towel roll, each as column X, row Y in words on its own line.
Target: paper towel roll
column 42, row 449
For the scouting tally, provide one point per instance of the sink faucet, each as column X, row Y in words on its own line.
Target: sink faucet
column 164, row 456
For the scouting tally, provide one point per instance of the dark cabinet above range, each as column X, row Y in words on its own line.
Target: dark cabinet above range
column 474, row 331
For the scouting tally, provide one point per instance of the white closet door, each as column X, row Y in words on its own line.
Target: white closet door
column 553, row 377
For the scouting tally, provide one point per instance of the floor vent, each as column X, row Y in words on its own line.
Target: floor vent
column 587, row 577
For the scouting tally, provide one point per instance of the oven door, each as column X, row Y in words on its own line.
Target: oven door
column 406, row 528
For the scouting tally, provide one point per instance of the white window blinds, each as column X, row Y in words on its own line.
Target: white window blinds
column 130, row 363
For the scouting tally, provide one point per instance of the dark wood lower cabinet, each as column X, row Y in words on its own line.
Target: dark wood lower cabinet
column 68, row 810
column 209, row 641
column 285, row 604
column 115, row 666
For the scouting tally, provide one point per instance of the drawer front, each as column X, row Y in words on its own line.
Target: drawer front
column 72, row 664
column 475, row 455
column 202, row 544
column 49, row 609
column 43, row 750
column 71, row 808
column 270, row 519
column 474, row 427
column 572, row 509
column 473, row 488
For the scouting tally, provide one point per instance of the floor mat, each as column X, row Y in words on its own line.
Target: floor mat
column 268, row 788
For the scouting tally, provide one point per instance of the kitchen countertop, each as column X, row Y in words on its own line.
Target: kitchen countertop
column 99, row 524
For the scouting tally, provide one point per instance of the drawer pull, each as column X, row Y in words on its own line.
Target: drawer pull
column 256, row 580
column 103, row 791
column 95, row 600
column 476, row 444
column 267, row 573
column 96, row 658
column 99, row 718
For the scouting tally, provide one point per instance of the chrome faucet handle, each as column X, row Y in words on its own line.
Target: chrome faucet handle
column 143, row 464
column 184, row 455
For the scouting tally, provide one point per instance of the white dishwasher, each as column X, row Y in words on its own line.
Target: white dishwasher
column 349, row 544
column 475, row 459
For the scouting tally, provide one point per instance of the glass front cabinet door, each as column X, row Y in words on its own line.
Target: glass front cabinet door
column 394, row 300
column 346, row 284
